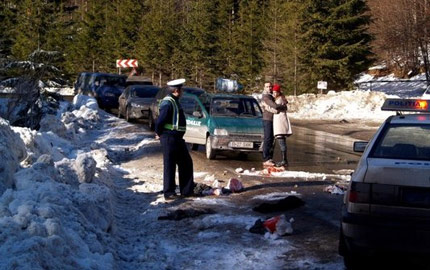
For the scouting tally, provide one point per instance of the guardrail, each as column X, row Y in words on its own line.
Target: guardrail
column 373, row 82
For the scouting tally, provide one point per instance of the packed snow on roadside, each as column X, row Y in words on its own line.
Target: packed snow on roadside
column 364, row 103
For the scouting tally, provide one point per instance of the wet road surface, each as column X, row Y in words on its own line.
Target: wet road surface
column 308, row 150
column 316, row 227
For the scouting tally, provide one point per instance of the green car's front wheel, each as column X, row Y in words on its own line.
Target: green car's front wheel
column 210, row 152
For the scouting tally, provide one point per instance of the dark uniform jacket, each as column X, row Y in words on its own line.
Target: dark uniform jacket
column 166, row 117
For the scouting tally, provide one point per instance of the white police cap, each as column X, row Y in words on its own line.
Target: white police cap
column 176, row 83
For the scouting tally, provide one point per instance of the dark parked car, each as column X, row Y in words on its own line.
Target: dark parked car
column 138, row 80
column 82, row 84
column 135, row 101
column 107, row 88
column 153, row 110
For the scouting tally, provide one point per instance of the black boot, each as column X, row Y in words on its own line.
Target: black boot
column 284, row 161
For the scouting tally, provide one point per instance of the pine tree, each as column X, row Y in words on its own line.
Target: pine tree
column 59, row 36
column 281, row 44
column 159, row 39
column 248, row 36
column 8, row 10
column 122, row 24
column 334, row 41
column 28, row 31
column 89, row 48
column 198, row 42
column 226, row 17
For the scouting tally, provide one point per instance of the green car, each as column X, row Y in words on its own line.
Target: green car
column 223, row 122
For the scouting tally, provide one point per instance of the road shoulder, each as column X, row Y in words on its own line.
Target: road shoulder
column 360, row 130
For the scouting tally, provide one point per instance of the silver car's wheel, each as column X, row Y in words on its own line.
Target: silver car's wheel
column 127, row 114
column 210, row 152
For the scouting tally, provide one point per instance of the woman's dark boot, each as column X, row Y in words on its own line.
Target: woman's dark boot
column 284, row 161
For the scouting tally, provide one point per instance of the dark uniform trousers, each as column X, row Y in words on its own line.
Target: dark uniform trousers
column 175, row 152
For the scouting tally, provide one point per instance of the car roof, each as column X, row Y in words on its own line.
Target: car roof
column 193, row 90
column 108, row 74
column 230, row 95
column 142, row 86
column 138, row 79
column 414, row 118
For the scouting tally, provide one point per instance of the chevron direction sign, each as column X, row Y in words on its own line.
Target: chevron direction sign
column 126, row 63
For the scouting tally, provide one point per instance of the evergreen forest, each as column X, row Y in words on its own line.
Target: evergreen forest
column 292, row 42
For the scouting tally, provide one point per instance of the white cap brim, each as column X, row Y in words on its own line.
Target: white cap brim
column 177, row 82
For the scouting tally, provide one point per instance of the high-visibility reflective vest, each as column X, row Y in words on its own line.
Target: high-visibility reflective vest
column 175, row 116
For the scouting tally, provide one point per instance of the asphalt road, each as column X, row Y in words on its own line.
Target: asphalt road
column 316, row 225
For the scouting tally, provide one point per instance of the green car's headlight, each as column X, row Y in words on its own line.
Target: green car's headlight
column 221, row 131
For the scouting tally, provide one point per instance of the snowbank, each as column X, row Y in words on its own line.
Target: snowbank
column 12, row 151
column 348, row 105
column 59, row 213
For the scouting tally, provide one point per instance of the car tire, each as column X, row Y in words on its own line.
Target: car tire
column 127, row 115
column 350, row 259
column 100, row 104
column 194, row 147
column 210, row 152
column 151, row 122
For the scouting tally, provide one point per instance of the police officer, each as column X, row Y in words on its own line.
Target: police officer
column 170, row 127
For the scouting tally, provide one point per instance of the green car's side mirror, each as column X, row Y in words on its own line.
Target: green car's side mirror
column 197, row 114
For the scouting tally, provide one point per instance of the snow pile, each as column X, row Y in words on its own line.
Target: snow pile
column 348, row 105
column 307, row 176
column 364, row 103
column 59, row 215
column 12, row 151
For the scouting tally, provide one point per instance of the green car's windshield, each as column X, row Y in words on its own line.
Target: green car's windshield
column 235, row 107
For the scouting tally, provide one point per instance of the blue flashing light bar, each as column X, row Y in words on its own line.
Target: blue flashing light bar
column 412, row 105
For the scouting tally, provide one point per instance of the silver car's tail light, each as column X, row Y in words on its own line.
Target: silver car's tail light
column 359, row 192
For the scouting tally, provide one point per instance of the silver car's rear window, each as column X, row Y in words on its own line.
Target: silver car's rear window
column 401, row 141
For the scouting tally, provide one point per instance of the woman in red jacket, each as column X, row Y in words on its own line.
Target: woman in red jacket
column 281, row 125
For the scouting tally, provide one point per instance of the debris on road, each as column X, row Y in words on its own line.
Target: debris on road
column 275, row 225
column 234, row 185
column 186, row 213
column 209, row 178
column 335, row 189
column 202, row 189
column 288, row 203
column 273, row 169
column 239, row 170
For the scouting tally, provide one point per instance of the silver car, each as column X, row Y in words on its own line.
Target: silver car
column 134, row 102
column 387, row 205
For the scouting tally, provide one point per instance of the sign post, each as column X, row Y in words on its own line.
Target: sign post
column 322, row 85
column 126, row 63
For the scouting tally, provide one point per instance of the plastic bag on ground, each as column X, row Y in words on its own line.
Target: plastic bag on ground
column 234, row 185
column 279, row 225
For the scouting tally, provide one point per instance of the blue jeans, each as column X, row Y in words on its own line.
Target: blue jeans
column 268, row 140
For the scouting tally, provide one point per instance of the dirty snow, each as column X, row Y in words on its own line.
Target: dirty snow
column 66, row 204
